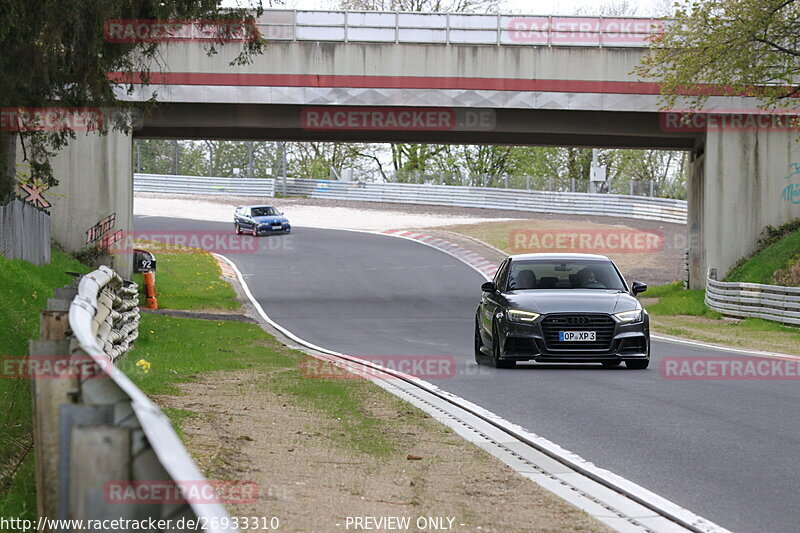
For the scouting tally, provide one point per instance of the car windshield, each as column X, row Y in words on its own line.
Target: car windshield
column 265, row 211
column 569, row 274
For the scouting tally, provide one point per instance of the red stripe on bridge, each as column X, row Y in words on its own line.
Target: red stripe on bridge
column 390, row 82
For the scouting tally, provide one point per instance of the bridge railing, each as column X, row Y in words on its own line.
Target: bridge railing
column 456, row 28
column 754, row 300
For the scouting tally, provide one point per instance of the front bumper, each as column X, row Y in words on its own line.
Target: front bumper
column 526, row 342
column 269, row 229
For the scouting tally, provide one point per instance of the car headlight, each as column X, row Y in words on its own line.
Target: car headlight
column 517, row 315
column 629, row 316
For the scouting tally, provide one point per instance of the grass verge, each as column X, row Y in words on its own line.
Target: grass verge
column 778, row 251
column 178, row 350
column 190, row 280
column 26, row 288
column 683, row 313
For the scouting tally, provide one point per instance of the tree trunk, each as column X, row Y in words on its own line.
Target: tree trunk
column 8, row 166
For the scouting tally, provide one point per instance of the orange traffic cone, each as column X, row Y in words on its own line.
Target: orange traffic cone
column 150, row 289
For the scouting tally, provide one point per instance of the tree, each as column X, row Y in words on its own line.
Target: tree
column 56, row 53
column 749, row 47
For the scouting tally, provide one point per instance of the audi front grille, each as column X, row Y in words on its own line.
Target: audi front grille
column 602, row 325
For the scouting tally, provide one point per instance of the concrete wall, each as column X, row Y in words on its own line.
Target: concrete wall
column 95, row 181
column 745, row 173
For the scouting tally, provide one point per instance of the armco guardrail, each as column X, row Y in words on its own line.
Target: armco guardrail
column 94, row 429
column 754, row 300
column 662, row 209
column 263, row 187
column 616, row 205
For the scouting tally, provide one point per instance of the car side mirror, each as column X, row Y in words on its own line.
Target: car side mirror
column 638, row 287
column 489, row 286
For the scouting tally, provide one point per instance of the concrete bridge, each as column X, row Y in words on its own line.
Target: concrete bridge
column 450, row 78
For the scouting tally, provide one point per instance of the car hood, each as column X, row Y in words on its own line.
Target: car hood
column 545, row 301
column 270, row 219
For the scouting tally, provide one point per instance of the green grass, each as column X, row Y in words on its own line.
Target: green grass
column 761, row 266
column 178, row 350
column 673, row 299
column 25, row 290
column 190, row 281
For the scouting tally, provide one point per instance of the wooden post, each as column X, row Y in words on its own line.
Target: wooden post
column 49, row 392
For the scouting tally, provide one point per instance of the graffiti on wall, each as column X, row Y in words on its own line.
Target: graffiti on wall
column 102, row 233
column 791, row 193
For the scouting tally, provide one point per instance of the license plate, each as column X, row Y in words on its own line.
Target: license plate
column 277, row 227
column 579, row 336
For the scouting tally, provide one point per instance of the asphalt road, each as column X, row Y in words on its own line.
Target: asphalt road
column 727, row 450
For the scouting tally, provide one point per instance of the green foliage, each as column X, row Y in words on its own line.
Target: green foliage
column 727, row 46
column 26, row 289
column 56, row 53
column 778, row 250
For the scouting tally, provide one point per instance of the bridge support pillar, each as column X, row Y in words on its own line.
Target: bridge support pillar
column 736, row 189
column 94, row 198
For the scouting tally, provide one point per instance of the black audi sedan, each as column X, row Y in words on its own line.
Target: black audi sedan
column 561, row 308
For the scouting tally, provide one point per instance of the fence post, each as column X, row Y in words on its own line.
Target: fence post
column 573, row 184
column 550, row 184
column 528, row 183
column 651, row 188
column 631, row 188
column 48, row 395
column 505, row 181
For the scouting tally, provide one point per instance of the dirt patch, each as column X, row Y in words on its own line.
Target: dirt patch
column 311, row 480
column 217, row 314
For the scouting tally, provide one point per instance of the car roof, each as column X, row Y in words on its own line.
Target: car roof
column 258, row 205
column 564, row 256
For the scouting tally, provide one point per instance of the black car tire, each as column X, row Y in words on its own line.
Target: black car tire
column 611, row 364
column 496, row 361
column 638, row 364
column 254, row 231
column 237, row 229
